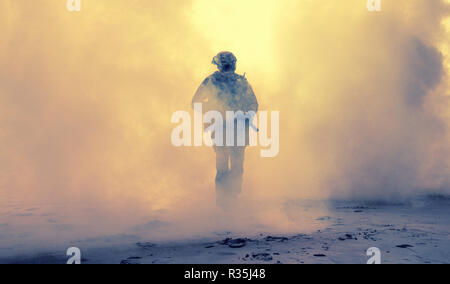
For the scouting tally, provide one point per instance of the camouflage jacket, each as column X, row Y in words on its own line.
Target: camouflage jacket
column 226, row 91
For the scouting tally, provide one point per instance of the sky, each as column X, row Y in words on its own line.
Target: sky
column 86, row 100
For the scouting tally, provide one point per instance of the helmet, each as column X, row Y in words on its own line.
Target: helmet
column 225, row 61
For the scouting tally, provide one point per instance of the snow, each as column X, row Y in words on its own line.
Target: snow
column 416, row 231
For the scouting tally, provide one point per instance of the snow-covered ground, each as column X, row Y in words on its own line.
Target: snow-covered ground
column 416, row 231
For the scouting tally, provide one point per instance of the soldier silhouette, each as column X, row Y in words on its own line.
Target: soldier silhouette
column 227, row 91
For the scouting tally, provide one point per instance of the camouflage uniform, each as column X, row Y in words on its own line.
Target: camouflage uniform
column 227, row 91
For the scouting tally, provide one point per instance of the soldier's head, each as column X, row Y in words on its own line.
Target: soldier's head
column 225, row 61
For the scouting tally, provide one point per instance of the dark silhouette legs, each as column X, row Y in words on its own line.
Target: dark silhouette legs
column 230, row 168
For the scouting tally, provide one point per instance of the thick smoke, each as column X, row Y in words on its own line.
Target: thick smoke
column 369, row 90
column 86, row 100
column 362, row 96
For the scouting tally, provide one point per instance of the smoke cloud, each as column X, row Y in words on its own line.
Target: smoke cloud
column 86, row 100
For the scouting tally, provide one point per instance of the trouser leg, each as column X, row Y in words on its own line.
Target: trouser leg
column 237, row 155
column 222, row 166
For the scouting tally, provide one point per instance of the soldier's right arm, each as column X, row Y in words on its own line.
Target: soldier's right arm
column 202, row 94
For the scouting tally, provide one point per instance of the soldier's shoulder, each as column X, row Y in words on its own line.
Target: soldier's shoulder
column 242, row 79
column 220, row 77
column 212, row 77
column 208, row 79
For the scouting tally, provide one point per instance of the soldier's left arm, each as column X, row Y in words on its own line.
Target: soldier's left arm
column 252, row 102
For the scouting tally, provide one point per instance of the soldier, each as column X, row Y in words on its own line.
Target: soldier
column 227, row 91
